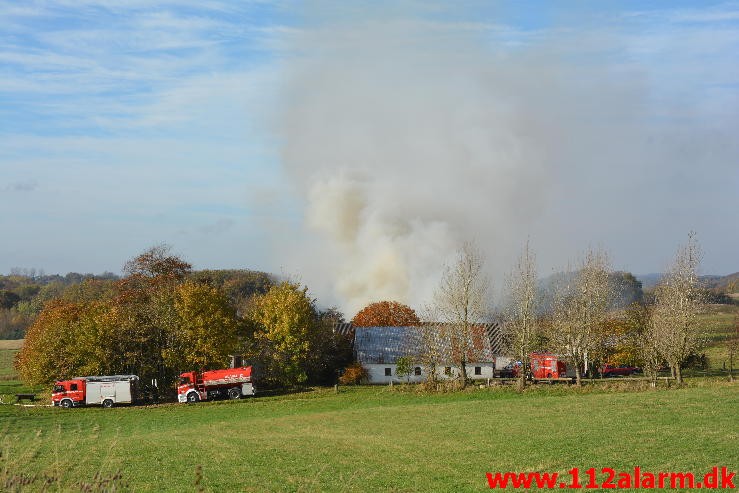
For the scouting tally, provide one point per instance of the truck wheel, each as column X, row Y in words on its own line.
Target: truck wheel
column 66, row 404
column 108, row 403
column 193, row 397
column 234, row 393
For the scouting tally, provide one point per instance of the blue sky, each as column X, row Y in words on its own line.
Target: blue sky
column 126, row 124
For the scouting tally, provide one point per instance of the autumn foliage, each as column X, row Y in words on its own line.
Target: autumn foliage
column 386, row 314
column 353, row 375
column 154, row 323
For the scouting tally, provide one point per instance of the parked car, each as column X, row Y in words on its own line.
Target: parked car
column 511, row 370
column 623, row 370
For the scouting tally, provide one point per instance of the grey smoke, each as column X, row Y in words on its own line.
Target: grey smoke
column 408, row 136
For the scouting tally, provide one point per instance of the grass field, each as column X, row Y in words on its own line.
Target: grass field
column 9, row 382
column 369, row 438
column 717, row 323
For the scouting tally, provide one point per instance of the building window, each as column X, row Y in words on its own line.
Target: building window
column 478, row 370
column 388, row 372
column 448, row 370
column 418, row 371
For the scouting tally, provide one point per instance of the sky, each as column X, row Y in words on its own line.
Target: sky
column 356, row 145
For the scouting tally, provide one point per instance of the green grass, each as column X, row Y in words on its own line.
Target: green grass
column 371, row 438
column 374, row 439
column 9, row 381
column 717, row 324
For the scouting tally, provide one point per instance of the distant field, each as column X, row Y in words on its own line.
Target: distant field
column 11, row 343
column 717, row 324
column 9, row 382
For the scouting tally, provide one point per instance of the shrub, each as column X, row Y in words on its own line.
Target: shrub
column 353, row 375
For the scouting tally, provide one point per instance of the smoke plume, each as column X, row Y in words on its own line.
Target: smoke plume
column 408, row 136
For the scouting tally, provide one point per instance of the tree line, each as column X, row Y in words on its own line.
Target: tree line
column 588, row 314
column 581, row 325
column 161, row 319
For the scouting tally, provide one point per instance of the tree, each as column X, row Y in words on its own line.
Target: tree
column 152, row 323
column 580, row 308
column 520, row 311
column 679, row 298
column 627, row 289
column 283, row 321
column 732, row 347
column 207, row 328
column 8, row 299
column 329, row 350
column 354, row 374
column 386, row 314
column 157, row 261
column 48, row 351
column 461, row 302
column 404, row 367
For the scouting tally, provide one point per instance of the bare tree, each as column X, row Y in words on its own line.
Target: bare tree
column 732, row 346
column 460, row 302
column 649, row 351
column 678, row 301
column 520, row 310
column 581, row 304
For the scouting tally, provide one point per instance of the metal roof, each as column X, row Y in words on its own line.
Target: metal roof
column 378, row 345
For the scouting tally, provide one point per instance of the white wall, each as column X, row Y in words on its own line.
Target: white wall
column 377, row 373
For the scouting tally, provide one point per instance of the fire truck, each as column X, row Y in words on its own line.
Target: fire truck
column 549, row 366
column 106, row 390
column 231, row 383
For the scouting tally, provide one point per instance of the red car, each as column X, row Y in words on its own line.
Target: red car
column 613, row 371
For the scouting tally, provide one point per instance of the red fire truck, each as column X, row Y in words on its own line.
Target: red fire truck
column 547, row 365
column 231, row 383
column 106, row 390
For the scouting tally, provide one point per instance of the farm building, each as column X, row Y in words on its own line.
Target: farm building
column 378, row 349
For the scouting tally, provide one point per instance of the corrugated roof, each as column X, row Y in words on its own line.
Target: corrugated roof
column 344, row 328
column 378, row 345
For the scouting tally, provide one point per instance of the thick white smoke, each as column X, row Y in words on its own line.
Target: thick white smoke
column 405, row 148
column 407, row 137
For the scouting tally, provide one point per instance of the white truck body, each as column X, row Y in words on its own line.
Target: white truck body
column 118, row 388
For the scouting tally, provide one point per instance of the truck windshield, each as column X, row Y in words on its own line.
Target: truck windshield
column 184, row 381
column 58, row 388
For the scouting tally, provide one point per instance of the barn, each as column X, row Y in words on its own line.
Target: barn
column 378, row 349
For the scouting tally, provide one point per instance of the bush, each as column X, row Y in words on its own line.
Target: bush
column 353, row 375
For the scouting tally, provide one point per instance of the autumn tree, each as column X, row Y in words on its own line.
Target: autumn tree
column 152, row 323
column 284, row 320
column 49, row 348
column 207, row 329
column 329, row 351
column 679, row 298
column 520, row 311
column 581, row 302
column 460, row 302
column 386, row 314
column 157, row 261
